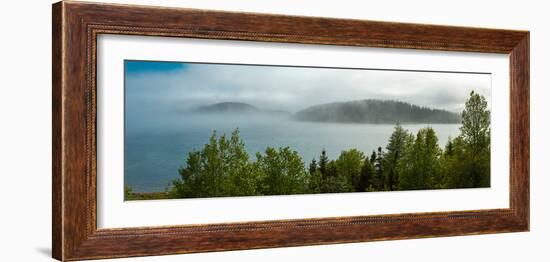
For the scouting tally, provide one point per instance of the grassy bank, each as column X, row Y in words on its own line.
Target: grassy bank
column 147, row 196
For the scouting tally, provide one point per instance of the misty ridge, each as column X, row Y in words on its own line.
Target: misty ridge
column 367, row 111
column 237, row 108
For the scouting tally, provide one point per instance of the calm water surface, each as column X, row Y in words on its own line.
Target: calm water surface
column 153, row 154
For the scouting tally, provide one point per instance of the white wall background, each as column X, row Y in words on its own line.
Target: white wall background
column 25, row 117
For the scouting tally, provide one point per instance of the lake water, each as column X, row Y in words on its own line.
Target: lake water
column 154, row 153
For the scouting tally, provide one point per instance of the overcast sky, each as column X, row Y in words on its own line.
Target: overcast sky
column 179, row 86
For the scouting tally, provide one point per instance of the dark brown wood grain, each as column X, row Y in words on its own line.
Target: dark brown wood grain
column 519, row 129
column 57, row 195
column 76, row 26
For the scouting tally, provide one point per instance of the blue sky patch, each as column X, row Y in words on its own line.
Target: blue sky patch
column 133, row 66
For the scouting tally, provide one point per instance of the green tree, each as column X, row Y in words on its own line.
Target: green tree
column 453, row 164
column 283, row 172
column 373, row 179
column 323, row 161
column 394, row 151
column 333, row 182
column 336, row 184
column 378, row 178
column 467, row 158
column 432, row 158
column 476, row 119
column 349, row 164
column 221, row 168
column 331, row 169
column 312, row 166
column 475, row 133
column 367, row 172
column 315, row 182
column 420, row 166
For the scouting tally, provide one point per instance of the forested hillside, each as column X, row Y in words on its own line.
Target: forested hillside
column 236, row 108
column 375, row 111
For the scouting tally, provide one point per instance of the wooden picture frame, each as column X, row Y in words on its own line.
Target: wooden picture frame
column 75, row 28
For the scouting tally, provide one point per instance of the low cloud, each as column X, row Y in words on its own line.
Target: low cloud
column 294, row 88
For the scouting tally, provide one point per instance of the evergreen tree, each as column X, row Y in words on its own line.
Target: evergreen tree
column 367, row 172
column 394, row 151
column 432, row 164
column 315, row 178
column 333, row 182
column 449, row 166
column 419, row 168
column 378, row 179
column 313, row 166
column 373, row 157
column 323, row 161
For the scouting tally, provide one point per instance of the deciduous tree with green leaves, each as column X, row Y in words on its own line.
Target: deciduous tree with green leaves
column 221, row 168
column 282, row 171
column 471, row 162
column 349, row 164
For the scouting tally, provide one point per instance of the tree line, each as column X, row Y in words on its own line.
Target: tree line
column 375, row 111
column 408, row 162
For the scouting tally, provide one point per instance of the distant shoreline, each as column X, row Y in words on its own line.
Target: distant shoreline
column 366, row 111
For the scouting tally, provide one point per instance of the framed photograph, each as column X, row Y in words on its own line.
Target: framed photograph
column 182, row 130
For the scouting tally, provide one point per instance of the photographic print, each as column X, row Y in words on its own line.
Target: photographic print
column 179, row 130
column 201, row 130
